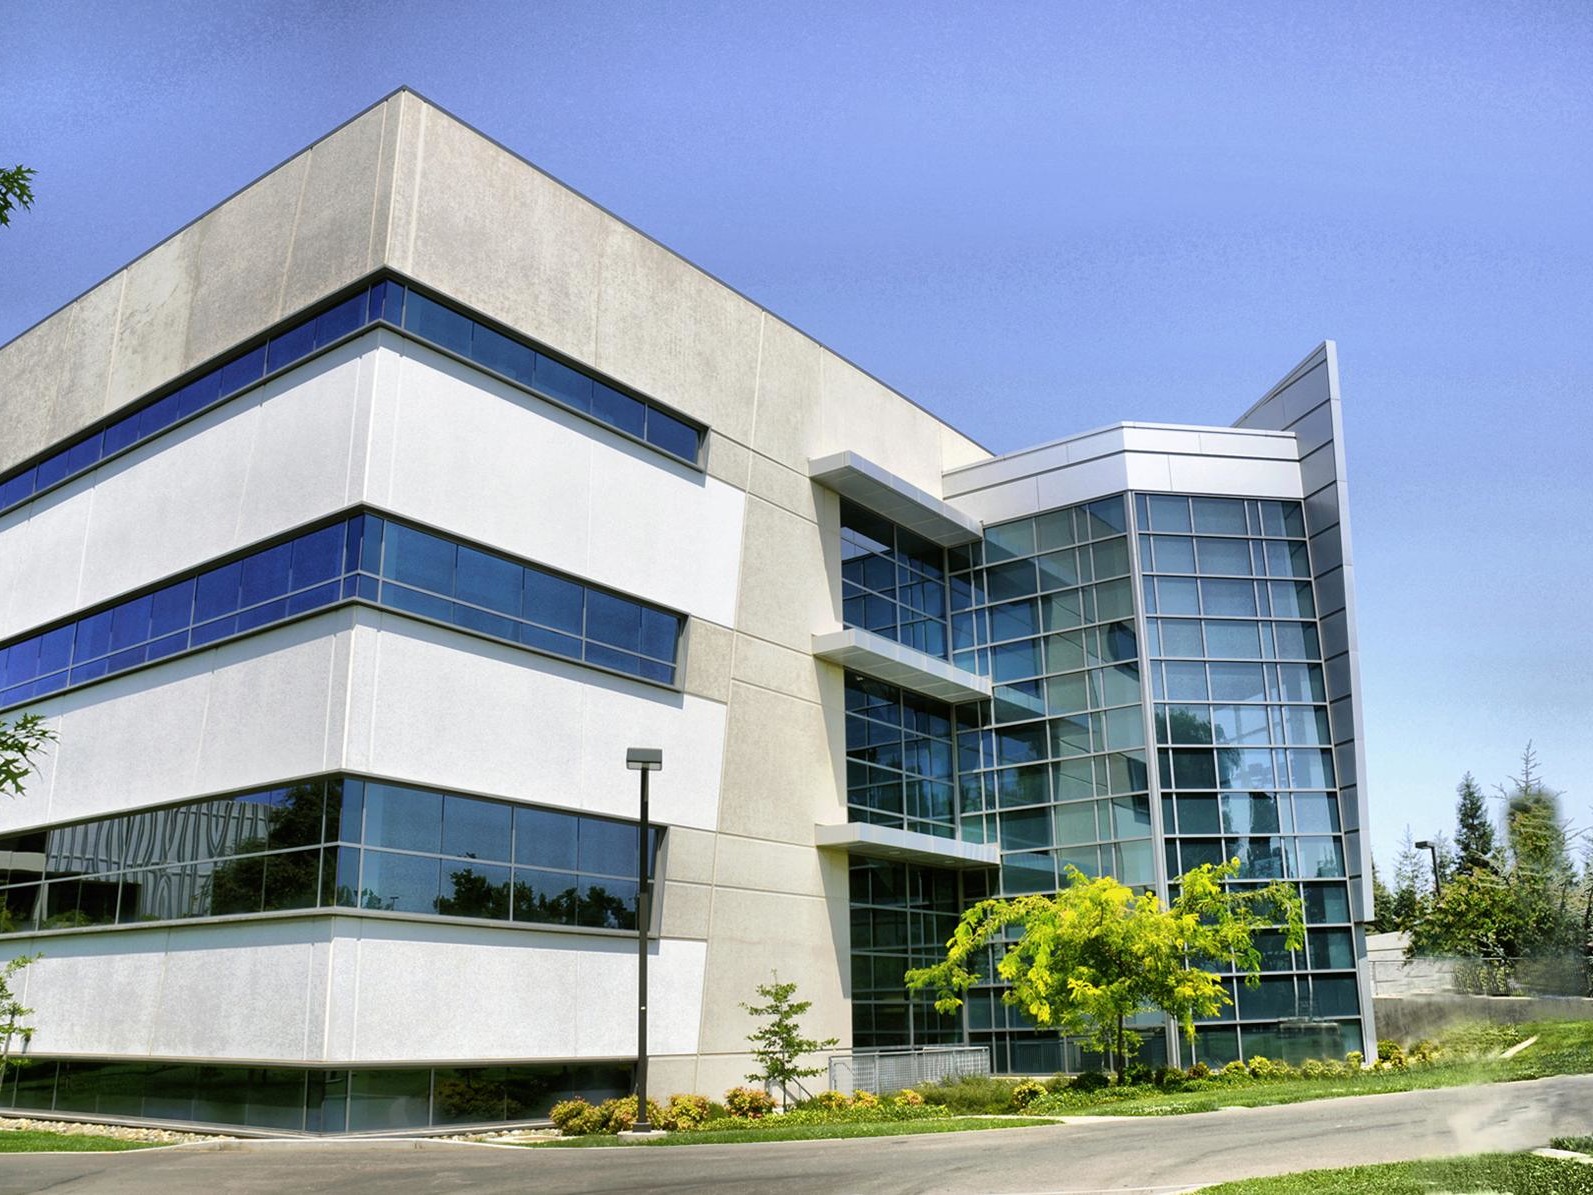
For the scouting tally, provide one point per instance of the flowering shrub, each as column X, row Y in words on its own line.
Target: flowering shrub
column 748, row 1102
column 865, row 1099
column 832, row 1100
column 1200, row 1071
column 684, row 1112
column 907, row 1098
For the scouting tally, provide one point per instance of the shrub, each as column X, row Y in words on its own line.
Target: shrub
column 619, row 1115
column 1388, row 1050
column 1312, row 1068
column 1199, row 1071
column 1354, row 1059
column 1168, row 1077
column 1262, row 1068
column 566, row 1113
column 907, row 1098
column 1424, row 1051
column 1234, row 1072
column 748, row 1102
column 685, row 1112
column 832, row 1100
column 972, row 1094
column 1026, row 1091
column 1088, row 1081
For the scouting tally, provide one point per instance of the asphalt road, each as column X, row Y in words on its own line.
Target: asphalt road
column 1084, row 1155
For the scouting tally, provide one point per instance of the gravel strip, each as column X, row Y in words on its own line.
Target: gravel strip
column 121, row 1132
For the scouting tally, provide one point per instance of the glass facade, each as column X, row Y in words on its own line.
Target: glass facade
column 309, row 1100
column 377, row 560
column 1244, row 753
column 1142, row 649
column 893, row 582
column 899, row 766
column 336, row 842
column 389, row 303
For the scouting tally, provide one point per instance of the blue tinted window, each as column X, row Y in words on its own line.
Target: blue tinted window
column 613, row 621
column 387, row 303
column 403, row 818
column 130, row 623
column 563, row 383
column 265, row 574
column 544, row 838
column 478, row 829
column 438, row 324
column 290, row 346
column 216, row 591
column 244, row 371
column 157, row 416
column 671, row 435
column 484, row 579
column 418, row 559
column 553, row 601
column 317, row 556
column 93, row 636
column 84, row 453
column 502, row 355
column 340, row 320
column 121, row 434
column 619, row 410
column 607, row 847
column 198, row 394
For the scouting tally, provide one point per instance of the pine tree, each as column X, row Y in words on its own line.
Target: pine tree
column 1474, row 839
column 1410, row 883
column 1382, row 921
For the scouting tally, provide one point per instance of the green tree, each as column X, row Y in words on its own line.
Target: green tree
column 20, row 742
column 16, row 190
column 1410, row 883
column 1382, row 905
column 1096, row 954
column 12, row 1012
column 1474, row 841
column 779, row 1045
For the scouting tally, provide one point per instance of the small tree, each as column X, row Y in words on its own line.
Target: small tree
column 1096, row 954
column 12, row 1012
column 779, row 1045
column 19, row 742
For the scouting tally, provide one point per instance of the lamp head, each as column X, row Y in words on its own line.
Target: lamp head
column 1424, row 845
column 645, row 759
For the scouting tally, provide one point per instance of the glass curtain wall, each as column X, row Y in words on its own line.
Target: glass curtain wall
column 1244, row 752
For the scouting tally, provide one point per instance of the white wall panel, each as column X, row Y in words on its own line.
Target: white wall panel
column 508, row 994
column 456, row 450
column 272, row 460
column 252, row 711
column 443, row 708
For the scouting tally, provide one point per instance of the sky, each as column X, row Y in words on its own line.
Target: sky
column 1034, row 219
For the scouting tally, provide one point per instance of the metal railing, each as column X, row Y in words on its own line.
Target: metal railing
column 890, row 1070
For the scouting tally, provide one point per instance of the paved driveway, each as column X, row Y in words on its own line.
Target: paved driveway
column 1084, row 1155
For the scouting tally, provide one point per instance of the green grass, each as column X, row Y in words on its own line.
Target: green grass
column 18, row 1141
column 1581, row 1145
column 1505, row 1174
column 806, row 1132
column 1563, row 1047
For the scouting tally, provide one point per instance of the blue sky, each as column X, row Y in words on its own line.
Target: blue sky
column 1034, row 219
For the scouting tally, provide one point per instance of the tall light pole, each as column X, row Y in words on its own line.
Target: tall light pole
column 1432, row 848
column 643, row 760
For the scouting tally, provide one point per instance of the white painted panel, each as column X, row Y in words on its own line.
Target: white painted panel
column 443, row 708
column 1083, row 481
column 248, row 712
column 514, row 994
column 239, row 990
column 1260, row 479
column 1225, row 442
column 272, row 460
column 474, row 456
column 1012, row 500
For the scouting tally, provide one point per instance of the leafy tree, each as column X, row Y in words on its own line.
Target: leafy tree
column 1477, row 918
column 779, row 1045
column 1474, row 841
column 16, row 189
column 12, row 1012
column 1096, row 954
column 20, row 741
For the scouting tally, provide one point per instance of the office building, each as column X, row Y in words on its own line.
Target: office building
column 349, row 538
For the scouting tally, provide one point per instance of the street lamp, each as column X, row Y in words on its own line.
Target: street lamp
column 1432, row 847
column 644, row 760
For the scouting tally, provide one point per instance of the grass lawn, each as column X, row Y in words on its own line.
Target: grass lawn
column 1506, row 1174
column 1563, row 1047
column 1582, row 1145
column 806, row 1132
column 19, row 1141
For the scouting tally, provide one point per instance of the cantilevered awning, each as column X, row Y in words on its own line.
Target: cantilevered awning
column 885, row 659
column 907, row 846
column 904, row 504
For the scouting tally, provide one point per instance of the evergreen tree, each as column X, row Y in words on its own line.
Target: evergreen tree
column 1474, row 839
column 1382, row 921
column 1410, row 883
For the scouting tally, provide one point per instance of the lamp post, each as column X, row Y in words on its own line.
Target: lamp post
column 644, row 760
column 1431, row 847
